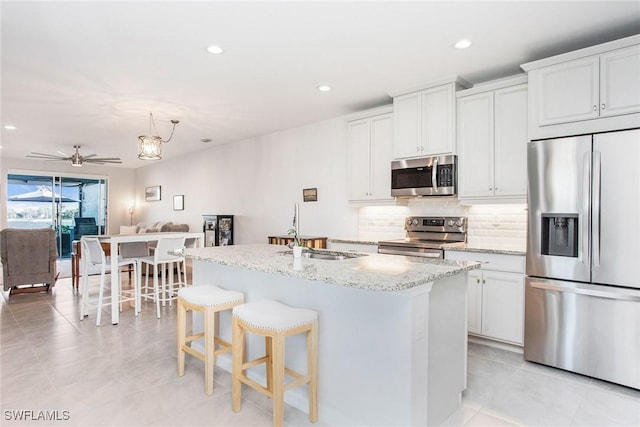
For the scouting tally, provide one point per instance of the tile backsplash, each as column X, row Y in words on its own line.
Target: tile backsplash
column 491, row 225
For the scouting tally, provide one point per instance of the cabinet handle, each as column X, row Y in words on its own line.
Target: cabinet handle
column 417, row 148
column 483, row 281
column 595, row 108
column 478, row 281
column 604, row 106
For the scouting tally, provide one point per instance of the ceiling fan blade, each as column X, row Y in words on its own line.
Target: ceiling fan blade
column 88, row 156
column 64, row 154
column 103, row 160
column 46, row 156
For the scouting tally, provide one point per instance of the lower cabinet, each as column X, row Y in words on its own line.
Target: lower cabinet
column 495, row 299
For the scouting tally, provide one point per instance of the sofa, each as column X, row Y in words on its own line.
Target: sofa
column 154, row 227
column 28, row 258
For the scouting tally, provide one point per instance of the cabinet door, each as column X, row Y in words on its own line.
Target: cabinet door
column 568, row 92
column 359, row 159
column 510, row 141
column 620, row 82
column 381, row 140
column 503, row 306
column 438, row 113
column 407, row 132
column 474, row 302
column 475, row 145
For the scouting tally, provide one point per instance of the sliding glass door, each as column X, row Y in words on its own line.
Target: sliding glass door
column 71, row 205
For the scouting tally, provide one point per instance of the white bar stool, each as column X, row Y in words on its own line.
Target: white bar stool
column 209, row 300
column 275, row 321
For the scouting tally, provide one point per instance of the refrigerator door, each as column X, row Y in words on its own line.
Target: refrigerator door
column 616, row 209
column 588, row 329
column 559, row 194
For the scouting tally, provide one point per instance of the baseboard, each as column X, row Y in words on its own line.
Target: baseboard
column 496, row 344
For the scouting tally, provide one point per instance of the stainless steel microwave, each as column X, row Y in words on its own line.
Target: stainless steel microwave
column 427, row 176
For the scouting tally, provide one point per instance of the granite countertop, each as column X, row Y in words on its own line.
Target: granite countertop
column 356, row 241
column 489, row 249
column 468, row 247
column 374, row 272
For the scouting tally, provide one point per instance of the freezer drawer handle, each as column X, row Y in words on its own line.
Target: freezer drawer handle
column 589, row 292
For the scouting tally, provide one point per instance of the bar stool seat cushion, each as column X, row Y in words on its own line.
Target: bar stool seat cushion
column 273, row 315
column 209, row 296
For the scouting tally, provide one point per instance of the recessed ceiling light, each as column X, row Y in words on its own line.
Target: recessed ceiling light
column 215, row 49
column 324, row 88
column 463, row 44
column 10, row 127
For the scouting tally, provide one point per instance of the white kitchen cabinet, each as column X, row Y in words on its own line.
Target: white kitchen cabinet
column 370, row 151
column 424, row 121
column 492, row 141
column 568, row 91
column 495, row 296
column 595, row 89
column 620, row 82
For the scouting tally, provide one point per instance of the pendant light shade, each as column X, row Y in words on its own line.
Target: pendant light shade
column 150, row 146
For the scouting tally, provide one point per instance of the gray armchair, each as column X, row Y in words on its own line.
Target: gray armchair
column 28, row 258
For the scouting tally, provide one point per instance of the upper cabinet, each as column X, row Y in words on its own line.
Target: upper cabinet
column 591, row 90
column 492, row 141
column 370, row 151
column 424, row 119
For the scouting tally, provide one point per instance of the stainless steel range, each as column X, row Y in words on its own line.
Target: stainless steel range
column 427, row 236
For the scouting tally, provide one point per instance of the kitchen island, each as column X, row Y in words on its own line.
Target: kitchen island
column 392, row 329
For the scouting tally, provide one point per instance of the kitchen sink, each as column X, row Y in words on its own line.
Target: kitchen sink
column 326, row 255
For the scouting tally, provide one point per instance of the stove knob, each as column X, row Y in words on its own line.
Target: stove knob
column 451, row 223
column 415, row 222
column 460, row 222
column 408, row 222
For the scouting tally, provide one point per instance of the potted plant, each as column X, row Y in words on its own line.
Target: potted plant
column 297, row 248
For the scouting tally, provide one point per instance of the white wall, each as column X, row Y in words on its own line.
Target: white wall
column 120, row 187
column 259, row 180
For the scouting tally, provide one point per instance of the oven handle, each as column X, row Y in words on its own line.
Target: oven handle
column 437, row 254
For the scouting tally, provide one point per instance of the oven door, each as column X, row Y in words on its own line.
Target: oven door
column 410, row 251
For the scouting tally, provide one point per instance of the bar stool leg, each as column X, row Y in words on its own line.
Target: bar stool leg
column 237, row 355
column 268, row 345
column 312, row 366
column 182, row 336
column 277, row 362
column 209, row 344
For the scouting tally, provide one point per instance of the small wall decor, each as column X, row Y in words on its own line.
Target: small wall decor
column 178, row 202
column 310, row 194
column 152, row 194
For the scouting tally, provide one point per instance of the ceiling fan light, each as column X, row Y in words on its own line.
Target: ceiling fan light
column 149, row 147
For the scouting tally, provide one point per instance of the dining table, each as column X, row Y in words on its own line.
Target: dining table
column 115, row 239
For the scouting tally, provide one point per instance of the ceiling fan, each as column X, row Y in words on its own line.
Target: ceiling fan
column 76, row 158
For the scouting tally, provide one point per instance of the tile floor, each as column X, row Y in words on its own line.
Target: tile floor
column 125, row 375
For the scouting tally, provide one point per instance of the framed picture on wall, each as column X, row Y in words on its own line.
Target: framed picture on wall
column 178, row 202
column 152, row 194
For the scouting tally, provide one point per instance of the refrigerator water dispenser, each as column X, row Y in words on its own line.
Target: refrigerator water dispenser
column 560, row 235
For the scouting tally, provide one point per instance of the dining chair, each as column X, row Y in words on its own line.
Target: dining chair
column 163, row 264
column 93, row 255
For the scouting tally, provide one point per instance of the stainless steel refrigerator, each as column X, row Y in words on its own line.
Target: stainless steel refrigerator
column 582, row 298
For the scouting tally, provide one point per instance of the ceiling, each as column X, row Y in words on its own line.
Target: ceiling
column 89, row 73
